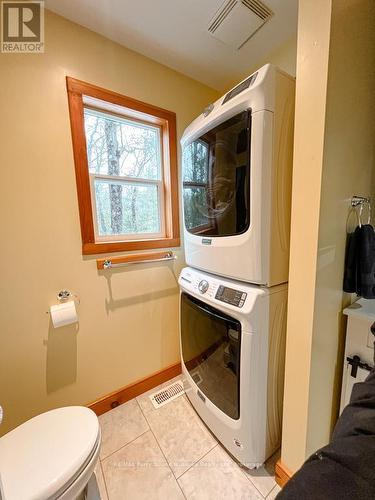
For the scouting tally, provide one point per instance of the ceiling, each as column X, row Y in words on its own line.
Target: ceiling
column 174, row 33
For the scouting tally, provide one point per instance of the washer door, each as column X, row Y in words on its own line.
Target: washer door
column 211, row 347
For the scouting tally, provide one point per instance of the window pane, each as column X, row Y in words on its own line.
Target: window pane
column 125, row 208
column 119, row 146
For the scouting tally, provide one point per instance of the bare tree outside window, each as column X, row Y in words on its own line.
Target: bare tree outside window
column 124, row 159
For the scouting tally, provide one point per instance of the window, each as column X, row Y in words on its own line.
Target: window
column 126, row 171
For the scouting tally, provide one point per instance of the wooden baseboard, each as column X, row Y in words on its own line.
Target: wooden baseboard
column 282, row 474
column 137, row 388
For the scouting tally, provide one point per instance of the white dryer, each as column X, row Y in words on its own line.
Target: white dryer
column 232, row 352
column 237, row 166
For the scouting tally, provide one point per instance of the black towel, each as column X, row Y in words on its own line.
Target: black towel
column 359, row 275
column 350, row 273
column 366, row 262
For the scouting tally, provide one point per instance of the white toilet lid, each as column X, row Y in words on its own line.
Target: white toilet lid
column 42, row 456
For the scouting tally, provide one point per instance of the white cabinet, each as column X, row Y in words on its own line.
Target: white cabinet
column 360, row 343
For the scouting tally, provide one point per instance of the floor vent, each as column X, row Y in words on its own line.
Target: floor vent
column 169, row 393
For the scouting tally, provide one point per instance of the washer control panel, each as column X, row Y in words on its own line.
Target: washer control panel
column 231, row 296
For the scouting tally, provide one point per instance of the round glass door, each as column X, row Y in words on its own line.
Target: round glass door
column 211, row 351
column 216, row 179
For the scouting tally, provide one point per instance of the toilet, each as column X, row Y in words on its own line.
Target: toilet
column 51, row 456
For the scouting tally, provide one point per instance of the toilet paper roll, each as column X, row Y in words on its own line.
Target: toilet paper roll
column 64, row 314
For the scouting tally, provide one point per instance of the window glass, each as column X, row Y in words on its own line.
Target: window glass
column 117, row 146
column 125, row 165
column 125, row 208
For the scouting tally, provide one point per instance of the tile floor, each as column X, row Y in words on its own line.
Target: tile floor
column 168, row 453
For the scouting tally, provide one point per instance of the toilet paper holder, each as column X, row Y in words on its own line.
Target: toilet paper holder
column 65, row 312
column 64, row 295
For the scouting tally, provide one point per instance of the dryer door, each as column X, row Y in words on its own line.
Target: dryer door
column 211, row 346
column 216, row 179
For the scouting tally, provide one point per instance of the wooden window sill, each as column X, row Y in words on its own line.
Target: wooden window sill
column 123, row 246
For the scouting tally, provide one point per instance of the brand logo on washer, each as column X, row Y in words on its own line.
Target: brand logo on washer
column 206, row 241
column 238, row 443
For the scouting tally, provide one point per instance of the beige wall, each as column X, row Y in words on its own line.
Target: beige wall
column 128, row 318
column 348, row 168
column 334, row 159
column 284, row 56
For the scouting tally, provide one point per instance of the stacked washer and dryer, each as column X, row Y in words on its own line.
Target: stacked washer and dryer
column 237, row 168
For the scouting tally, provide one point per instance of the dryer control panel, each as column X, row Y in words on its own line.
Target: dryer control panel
column 231, row 296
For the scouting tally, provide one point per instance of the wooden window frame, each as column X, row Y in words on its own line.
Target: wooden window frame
column 78, row 91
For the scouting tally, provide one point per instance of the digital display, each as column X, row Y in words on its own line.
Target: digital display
column 231, row 296
column 240, row 88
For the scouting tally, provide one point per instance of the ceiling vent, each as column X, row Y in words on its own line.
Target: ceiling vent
column 238, row 20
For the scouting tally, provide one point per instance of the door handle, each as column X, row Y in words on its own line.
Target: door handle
column 217, row 316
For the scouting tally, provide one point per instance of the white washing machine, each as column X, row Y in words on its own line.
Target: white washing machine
column 237, row 167
column 232, row 352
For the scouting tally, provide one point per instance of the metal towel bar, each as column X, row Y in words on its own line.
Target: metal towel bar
column 134, row 259
column 108, row 263
column 360, row 200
